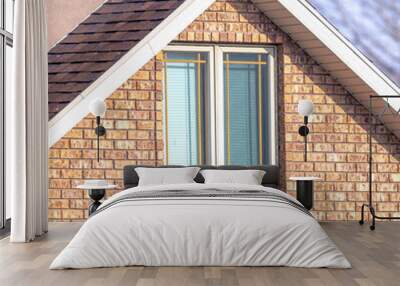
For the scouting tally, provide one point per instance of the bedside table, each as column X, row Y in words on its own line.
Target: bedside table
column 305, row 190
column 97, row 190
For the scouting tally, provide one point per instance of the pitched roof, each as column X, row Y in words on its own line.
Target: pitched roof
column 97, row 43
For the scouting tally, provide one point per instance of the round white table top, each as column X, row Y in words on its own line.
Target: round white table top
column 96, row 187
column 304, row 178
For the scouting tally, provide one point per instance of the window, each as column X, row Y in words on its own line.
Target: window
column 245, row 104
column 229, row 118
column 184, row 106
column 6, row 43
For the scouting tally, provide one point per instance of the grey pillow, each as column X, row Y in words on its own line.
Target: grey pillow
column 166, row 176
column 248, row 177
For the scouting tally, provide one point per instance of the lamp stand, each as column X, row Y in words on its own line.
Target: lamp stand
column 304, row 131
column 100, row 131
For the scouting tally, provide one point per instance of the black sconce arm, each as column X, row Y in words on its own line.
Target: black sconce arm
column 304, row 131
column 100, row 131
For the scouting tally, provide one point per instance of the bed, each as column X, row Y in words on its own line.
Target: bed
column 197, row 224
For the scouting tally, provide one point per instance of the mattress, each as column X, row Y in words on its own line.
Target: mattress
column 201, row 225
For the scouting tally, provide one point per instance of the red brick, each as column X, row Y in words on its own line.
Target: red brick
column 62, row 143
column 93, row 174
column 54, row 194
column 103, row 164
column 114, row 154
column 70, row 153
column 345, row 206
column 336, row 157
column 80, row 164
column 54, row 214
column 116, row 134
column 336, row 196
column 120, row 164
column 59, row 183
column 71, row 174
column 138, row 135
column 58, row 204
column 388, row 206
column 71, row 214
column 124, row 144
column 81, row 144
column 78, row 204
column 146, row 125
column 345, row 167
column 72, row 193
column 58, row 163
column 124, row 104
column 138, row 155
column 125, row 124
column 113, row 174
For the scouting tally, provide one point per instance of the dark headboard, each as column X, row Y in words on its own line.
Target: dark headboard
column 270, row 179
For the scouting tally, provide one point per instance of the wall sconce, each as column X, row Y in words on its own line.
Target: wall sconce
column 305, row 108
column 98, row 108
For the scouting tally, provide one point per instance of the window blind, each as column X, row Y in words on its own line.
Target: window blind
column 184, row 94
column 243, row 94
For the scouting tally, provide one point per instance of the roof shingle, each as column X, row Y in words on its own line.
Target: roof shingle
column 97, row 43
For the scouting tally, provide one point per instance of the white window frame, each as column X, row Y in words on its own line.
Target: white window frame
column 215, row 121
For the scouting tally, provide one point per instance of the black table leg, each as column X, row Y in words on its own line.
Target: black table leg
column 96, row 195
column 305, row 193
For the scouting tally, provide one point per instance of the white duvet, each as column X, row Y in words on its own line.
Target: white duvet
column 200, row 231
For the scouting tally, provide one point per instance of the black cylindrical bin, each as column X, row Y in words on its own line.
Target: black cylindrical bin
column 305, row 193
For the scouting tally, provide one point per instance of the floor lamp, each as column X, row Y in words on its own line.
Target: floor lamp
column 369, row 205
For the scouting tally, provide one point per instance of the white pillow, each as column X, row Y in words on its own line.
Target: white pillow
column 248, row 177
column 166, row 176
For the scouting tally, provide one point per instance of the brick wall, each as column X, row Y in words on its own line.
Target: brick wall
column 338, row 141
column 133, row 121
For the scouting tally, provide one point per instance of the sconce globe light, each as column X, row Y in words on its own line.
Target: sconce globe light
column 305, row 107
column 97, row 107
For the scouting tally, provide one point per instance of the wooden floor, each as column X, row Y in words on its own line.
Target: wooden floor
column 375, row 257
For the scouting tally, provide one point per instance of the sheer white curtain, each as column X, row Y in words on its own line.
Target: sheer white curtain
column 26, row 124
